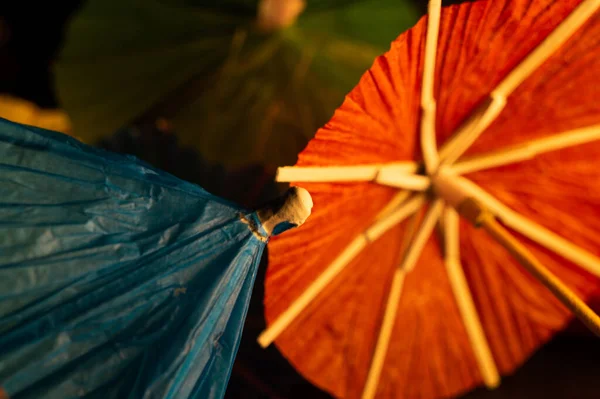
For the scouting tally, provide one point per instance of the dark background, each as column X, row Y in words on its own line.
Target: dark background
column 30, row 36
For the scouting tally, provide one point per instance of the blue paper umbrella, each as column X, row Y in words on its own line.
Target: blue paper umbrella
column 117, row 279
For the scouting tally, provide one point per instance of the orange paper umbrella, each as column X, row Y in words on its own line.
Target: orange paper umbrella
column 386, row 292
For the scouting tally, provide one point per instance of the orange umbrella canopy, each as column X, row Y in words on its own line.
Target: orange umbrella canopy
column 384, row 291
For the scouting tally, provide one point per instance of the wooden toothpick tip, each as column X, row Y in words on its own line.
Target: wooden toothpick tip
column 286, row 212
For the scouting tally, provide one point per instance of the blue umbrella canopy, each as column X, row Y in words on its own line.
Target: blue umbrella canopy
column 117, row 279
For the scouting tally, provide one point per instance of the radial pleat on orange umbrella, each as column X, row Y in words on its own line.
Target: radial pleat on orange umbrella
column 302, row 258
column 561, row 95
column 429, row 353
column 378, row 120
column 517, row 312
column 480, row 43
column 338, row 339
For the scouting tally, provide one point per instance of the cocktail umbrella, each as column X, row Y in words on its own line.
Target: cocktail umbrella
column 117, row 279
column 241, row 81
column 367, row 300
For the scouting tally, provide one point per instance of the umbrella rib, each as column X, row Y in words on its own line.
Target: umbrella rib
column 391, row 178
column 471, row 129
column 385, row 334
column 528, row 228
column 397, row 200
column 527, row 150
column 481, row 217
column 464, row 300
column 372, row 233
column 418, row 243
column 394, row 174
column 428, row 103
column 409, row 260
column 484, row 115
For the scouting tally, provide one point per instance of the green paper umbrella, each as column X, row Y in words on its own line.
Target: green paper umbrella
column 236, row 92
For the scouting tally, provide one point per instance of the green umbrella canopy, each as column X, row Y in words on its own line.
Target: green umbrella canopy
column 235, row 92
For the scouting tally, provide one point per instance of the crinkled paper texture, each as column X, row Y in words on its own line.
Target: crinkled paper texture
column 116, row 279
column 429, row 355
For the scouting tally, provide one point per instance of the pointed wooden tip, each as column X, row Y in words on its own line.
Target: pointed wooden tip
column 492, row 381
column 264, row 340
column 287, row 212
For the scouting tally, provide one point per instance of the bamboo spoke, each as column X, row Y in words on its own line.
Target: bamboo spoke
column 409, row 260
column 385, row 335
column 471, row 129
column 340, row 173
column 428, row 104
column 394, row 203
column 464, row 300
column 390, row 177
column 375, row 231
column 559, row 36
column 481, row 217
column 418, row 243
column 530, row 229
column 395, row 174
column 528, row 150
column 486, row 114
column 391, row 309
